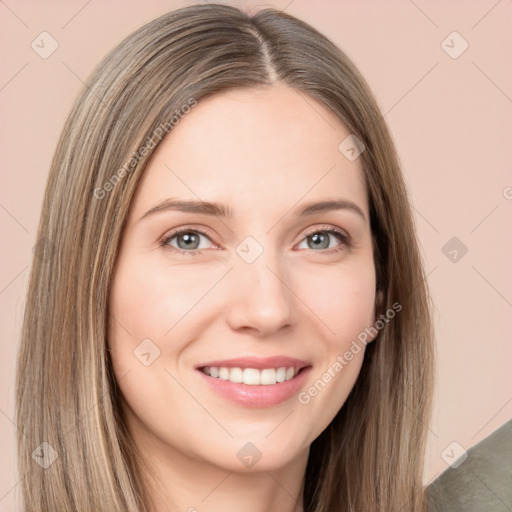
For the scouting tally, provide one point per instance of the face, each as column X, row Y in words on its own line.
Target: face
column 256, row 290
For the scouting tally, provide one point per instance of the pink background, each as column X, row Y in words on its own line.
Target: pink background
column 450, row 117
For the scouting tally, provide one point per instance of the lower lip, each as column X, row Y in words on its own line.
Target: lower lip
column 260, row 396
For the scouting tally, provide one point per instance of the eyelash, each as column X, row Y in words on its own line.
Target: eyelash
column 345, row 239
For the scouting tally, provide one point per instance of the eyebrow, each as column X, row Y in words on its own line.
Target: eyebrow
column 221, row 210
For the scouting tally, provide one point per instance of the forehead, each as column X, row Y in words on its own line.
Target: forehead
column 261, row 149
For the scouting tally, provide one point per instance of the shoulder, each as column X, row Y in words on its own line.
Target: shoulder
column 482, row 482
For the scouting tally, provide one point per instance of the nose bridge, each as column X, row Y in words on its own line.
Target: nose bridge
column 260, row 295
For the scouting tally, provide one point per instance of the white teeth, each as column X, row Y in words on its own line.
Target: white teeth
column 268, row 376
column 236, row 375
column 252, row 376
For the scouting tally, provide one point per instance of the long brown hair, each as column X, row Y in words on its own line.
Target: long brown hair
column 370, row 458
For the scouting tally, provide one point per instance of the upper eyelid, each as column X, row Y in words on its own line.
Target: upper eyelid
column 326, row 227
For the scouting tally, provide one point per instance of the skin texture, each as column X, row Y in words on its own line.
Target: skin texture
column 263, row 152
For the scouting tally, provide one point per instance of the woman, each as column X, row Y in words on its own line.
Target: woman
column 185, row 345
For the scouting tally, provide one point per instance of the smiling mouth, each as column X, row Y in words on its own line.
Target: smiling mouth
column 252, row 376
column 262, row 387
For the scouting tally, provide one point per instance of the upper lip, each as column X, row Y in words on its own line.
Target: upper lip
column 257, row 362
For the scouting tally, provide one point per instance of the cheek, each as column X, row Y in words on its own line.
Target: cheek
column 147, row 302
column 343, row 302
column 155, row 310
column 343, row 299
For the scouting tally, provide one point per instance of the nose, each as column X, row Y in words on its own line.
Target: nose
column 261, row 298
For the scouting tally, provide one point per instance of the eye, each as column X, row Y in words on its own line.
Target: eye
column 188, row 241
column 320, row 239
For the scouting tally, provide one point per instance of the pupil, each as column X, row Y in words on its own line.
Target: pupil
column 318, row 237
column 189, row 239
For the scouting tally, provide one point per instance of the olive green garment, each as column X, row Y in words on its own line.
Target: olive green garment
column 482, row 482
